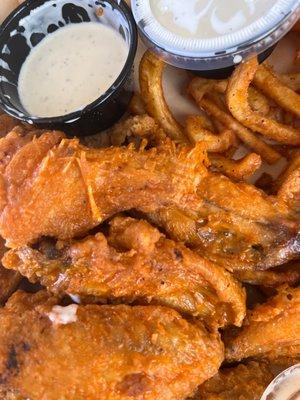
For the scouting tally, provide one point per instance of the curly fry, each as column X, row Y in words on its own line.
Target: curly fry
column 257, row 100
column 151, row 70
column 291, row 80
column 205, row 122
column 237, row 102
column 289, row 183
column 293, row 164
column 216, row 143
column 270, row 84
column 247, row 136
column 241, row 169
column 136, row 106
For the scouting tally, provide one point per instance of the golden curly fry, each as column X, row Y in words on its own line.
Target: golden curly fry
column 215, row 143
column 293, row 164
column 270, row 330
column 101, row 352
column 257, row 100
column 244, row 382
column 136, row 106
column 246, row 136
column 151, row 70
column 242, row 169
column 291, row 80
column 136, row 263
column 270, row 84
column 237, row 102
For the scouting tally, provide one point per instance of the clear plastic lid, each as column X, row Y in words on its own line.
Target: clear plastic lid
column 286, row 386
column 221, row 50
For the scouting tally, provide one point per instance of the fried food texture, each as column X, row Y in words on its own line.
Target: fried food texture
column 237, row 102
column 151, row 69
column 223, row 116
column 271, row 330
column 237, row 226
column 65, row 189
column 135, row 263
column 246, row 381
column 101, row 352
column 9, row 280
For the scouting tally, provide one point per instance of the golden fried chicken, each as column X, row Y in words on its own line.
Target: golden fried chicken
column 244, row 382
column 54, row 187
column 65, row 189
column 49, row 352
column 9, row 280
column 271, row 330
column 136, row 263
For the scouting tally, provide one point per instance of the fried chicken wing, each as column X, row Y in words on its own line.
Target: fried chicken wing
column 271, row 330
column 9, row 280
column 136, row 263
column 244, row 382
column 65, row 189
column 49, row 352
column 244, row 246
column 54, row 187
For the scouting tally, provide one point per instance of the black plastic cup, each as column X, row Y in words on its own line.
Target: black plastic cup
column 35, row 19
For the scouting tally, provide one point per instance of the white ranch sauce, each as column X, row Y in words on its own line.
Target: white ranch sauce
column 71, row 68
column 208, row 18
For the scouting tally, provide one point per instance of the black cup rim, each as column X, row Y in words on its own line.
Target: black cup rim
column 76, row 115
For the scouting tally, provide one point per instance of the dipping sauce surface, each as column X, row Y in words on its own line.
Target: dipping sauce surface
column 71, row 68
column 208, row 18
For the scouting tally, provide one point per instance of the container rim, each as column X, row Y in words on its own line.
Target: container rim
column 209, row 48
column 122, row 7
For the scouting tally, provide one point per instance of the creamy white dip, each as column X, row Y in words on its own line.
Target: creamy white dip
column 208, row 18
column 71, row 68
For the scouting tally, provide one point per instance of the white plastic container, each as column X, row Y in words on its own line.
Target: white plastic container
column 219, row 54
column 286, row 386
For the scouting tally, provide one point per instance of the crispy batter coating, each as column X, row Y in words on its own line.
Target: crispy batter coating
column 66, row 189
column 244, row 382
column 135, row 264
column 232, row 231
column 271, row 330
column 101, row 352
column 9, row 280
